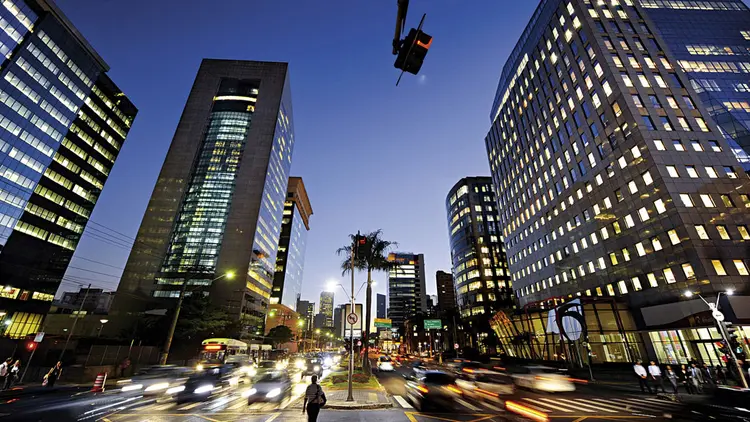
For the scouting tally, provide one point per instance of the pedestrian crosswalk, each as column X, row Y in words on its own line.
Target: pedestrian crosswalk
column 231, row 404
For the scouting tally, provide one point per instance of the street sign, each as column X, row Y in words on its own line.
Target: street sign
column 383, row 322
column 433, row 324
column 352, row 318
column 39, row 337
column 717, row 315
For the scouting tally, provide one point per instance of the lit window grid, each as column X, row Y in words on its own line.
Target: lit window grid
column 489, row 151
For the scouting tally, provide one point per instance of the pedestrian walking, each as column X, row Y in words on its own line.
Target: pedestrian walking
column 672, row 377
column 642, row 375
column 655, row 373
column 721, row 376
column 5, row 371
column 697, row 378
column 124, row 366
column 13, row 373
column 687, row 379
column 315, row 399
column 53, row 375
column 708, row 375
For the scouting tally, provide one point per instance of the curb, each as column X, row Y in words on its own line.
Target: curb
column 368, row 406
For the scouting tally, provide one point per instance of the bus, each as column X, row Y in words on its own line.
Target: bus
column 219, row 351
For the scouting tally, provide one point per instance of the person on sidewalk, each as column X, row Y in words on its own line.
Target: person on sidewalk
column 4, row 372
column 642, row 375
column 721, row 376
column 53, row 374
column 672, row 377
column 697, row 377
column 13, row 373
column 655, row 373
column 315, row 399
column 687, row 379
column 709, row 377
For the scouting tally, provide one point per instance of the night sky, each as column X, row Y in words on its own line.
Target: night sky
column 372, row 155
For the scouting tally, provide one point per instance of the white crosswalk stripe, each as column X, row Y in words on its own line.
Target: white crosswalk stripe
column 600, row 405
column 403, row 403
column 582, row 403
column 605, row 403
column 535, row 405
column 555, row 405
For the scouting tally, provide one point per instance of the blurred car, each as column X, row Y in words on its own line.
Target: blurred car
column 543, row 378
column 385, row 364
column 461, row 365
column 265, row 366
column 154, row 380
column 204, row 384
column 312, row 366
column 483, row 383
column 434, row 390
column 418, row 369
column 273, row 386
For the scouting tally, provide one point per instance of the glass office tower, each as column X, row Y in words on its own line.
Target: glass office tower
column 480, row 268
column 290, row 259
column 614, row 184
column 219, row 200
column 407, row 294
column 326, row 308
column 711, row 42
column 62, row 125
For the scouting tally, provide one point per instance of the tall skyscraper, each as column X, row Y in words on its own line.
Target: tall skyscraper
column 338, row 319
column 480, row 268
column 710, row 41
column 407, row 294
column 446, row 291
column 62, row 125
column 380, row 310
column 290, row 259
column 615, row 186
column 306, row 309
column 222, row 213
column 326, row 307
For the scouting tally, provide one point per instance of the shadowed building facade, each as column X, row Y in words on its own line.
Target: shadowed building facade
column 218, row 202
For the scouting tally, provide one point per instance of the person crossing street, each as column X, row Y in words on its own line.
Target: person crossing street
column 642, row 375
column 315, row 399
column 655, row 373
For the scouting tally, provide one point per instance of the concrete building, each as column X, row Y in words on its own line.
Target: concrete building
column 222, row 214
column 446, row 291
column 617, row 192
column 62, row 125
column 406, row 287
column 94, row 301
column 290, row 258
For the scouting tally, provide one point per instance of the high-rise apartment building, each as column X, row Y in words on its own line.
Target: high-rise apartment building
column 306, row 309
column 446, row 291
column 381, row 307
column 407, row 293
column 710, row 41
column 62, row 125
column 326, row 307
column 480, row 269
column 219, row 200
column 614, row 186
column 290, row 258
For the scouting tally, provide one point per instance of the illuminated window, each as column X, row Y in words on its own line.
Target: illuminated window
column 744, row 232
column 621, row 286
column 625, row 254
column 640, row 249
column 729, row 171
column 652, row 280
column 708, row 202
column 715, row 147
column 691, row 172
column 660, row 207
column 711, row 172
column 701, row 230
column 629, row 222
column 674, row 238
column 727, row 200
column 656, row 244
column 669, row 276
column 718, row 267
column 740, row 265
column 686, row 200
column 643, row 214
column 659, row 144
column 672, row 171
column 687, row 269
column 723, row 233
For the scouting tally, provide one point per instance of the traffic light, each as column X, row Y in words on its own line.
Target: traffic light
column 30, row 345
column 360, row 247
column 412, row 51
column 734, row 342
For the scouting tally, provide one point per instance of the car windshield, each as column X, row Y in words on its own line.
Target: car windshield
column 438, row 378
column 267, row 364
column 272, row 377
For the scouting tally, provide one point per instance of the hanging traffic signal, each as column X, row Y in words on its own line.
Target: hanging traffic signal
column 30, row 345
column 413, row 51
column 360, row 246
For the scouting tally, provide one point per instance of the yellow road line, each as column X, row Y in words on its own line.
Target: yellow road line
column 581, row 419
column 274, row 416
column 206, row 418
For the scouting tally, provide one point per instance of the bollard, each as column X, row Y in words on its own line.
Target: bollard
column 101, row 379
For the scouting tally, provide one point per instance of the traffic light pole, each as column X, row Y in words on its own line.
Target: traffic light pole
column 725, row 336
column 350, row 396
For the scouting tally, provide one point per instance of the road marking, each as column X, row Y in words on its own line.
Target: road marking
column 240, row 403
column 206, row 418
column 581, row 419
column 403, row 403
column 630, row 406
column 663, row 402
column 604, row 404
column 467, row 405
column 190, row 406
column 274, row 416
column 589, row 406
column 535, row 406
column 556, row 406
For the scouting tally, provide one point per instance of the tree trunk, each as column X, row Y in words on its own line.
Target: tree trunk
column 368, row 300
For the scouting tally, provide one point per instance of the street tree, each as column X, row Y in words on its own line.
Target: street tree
column 279, row 335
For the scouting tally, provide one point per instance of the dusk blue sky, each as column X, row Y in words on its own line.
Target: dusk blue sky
column 372, row 155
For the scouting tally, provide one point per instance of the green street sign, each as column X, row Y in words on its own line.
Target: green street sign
column 433, row 324
column 383, row 323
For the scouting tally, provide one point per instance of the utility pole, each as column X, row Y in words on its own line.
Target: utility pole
column 350, row 396
column 173, row 325
column 75, row 321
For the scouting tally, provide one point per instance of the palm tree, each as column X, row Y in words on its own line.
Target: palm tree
column 373, row 258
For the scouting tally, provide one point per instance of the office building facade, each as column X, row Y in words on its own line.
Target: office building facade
column 480, row 269
column 381, row 307
column 62, row 125
column 290, row 258
column 446, row 291
column 710, row 42
column 407, row 294
column 221, row 214
column 326, row 308
column 615, row 187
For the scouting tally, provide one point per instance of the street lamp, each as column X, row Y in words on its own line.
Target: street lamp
column 719, row 317
column 103, row 321
column 175, row 318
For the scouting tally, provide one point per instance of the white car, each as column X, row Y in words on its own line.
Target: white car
column 543, row 378
column 385, row 364
column 486, row 384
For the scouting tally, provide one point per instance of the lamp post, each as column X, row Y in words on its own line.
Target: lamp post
column 719, row 317
column 300, row 323
column 103, row 321
column 175, row 318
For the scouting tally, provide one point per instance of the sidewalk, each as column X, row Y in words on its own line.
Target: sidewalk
column 363, row 399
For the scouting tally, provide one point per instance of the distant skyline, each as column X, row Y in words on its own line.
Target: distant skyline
column 372, row 155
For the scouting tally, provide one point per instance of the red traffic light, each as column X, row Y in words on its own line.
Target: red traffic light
column 412, row 53
column 30, row 346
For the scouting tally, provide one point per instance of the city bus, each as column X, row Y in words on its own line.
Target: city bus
column 219, row 351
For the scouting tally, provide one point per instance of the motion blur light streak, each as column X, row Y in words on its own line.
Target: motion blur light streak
column 526, row 411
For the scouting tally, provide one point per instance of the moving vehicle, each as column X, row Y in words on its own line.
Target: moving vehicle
column 435, row 389
column 154, row 380
column 264, row 367
column 543, row 378
column 312, row 366
column 220, row 351
column 204, row 384
column 385, row 364
column 273, row 386
column 485, row 384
